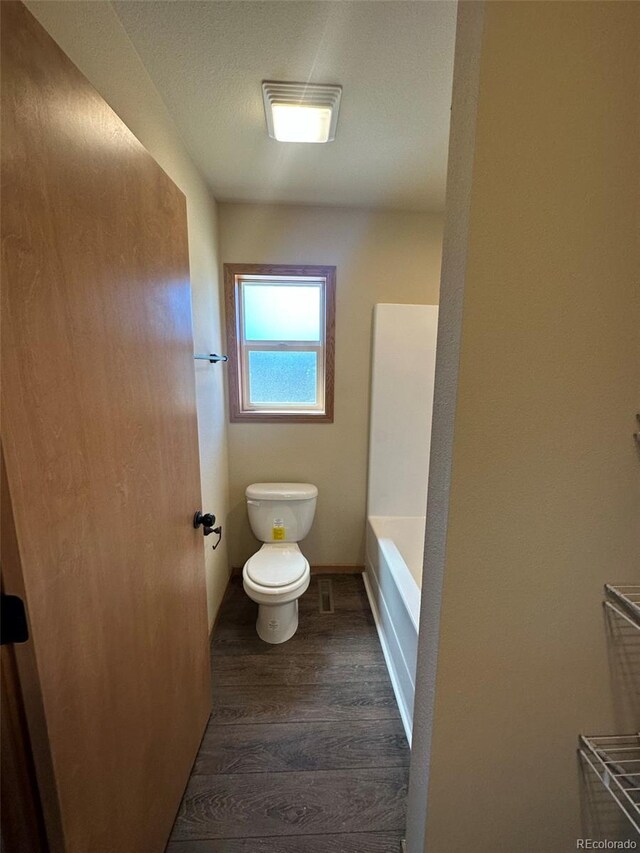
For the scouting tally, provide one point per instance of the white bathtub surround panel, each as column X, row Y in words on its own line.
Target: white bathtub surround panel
column 403, row 369
column 394, row 596
column 404, row 352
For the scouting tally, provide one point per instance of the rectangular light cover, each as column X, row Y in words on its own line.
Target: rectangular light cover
column 301, row 112
column 292, row 123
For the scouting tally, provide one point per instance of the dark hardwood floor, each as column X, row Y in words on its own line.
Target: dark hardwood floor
column 305, row 751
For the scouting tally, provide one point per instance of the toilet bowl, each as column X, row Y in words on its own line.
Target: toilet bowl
column 275, row 578
column 277, row 575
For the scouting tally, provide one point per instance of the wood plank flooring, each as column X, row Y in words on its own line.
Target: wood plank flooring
column 304, row 751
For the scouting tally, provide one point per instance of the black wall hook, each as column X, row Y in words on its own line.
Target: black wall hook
column 218, row 531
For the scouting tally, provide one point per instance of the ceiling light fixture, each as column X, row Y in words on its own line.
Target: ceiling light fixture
column 301, row 112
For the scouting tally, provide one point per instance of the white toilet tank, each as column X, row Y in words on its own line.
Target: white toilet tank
column 281, row 512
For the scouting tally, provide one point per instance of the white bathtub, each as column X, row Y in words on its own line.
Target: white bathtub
column 393, row 579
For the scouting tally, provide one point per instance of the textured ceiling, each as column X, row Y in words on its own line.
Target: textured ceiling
column 393, row 59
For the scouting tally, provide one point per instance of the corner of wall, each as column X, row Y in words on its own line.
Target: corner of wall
column 466, row 81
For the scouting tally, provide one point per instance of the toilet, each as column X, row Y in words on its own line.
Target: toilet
column 280, row 514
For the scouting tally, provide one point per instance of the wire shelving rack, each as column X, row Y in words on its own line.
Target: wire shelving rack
column 624, row 601
column 615, row 759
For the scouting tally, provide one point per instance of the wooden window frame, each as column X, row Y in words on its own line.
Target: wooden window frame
column 233, row 273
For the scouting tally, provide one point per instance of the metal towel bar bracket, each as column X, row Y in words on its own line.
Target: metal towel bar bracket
column 212, row 357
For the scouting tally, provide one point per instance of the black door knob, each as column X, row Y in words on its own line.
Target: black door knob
column 207, row 520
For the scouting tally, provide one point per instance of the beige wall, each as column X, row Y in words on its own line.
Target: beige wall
column 545, row 490
column 92, row 36
column 380, row 257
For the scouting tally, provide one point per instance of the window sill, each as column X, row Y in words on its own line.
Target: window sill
column 286, row 418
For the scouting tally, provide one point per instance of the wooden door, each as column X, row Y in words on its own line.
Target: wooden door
column 100, row 443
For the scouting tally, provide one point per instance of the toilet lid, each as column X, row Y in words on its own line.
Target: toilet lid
column 276, row 565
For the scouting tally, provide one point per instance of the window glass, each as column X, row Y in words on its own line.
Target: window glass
column 282, row 377
column 281, row 312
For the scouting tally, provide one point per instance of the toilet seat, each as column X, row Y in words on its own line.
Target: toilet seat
column 276, row 566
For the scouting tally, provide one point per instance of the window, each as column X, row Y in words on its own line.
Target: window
column 280, row 336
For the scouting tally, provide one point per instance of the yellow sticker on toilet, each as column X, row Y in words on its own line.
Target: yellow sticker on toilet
column 278, row 533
